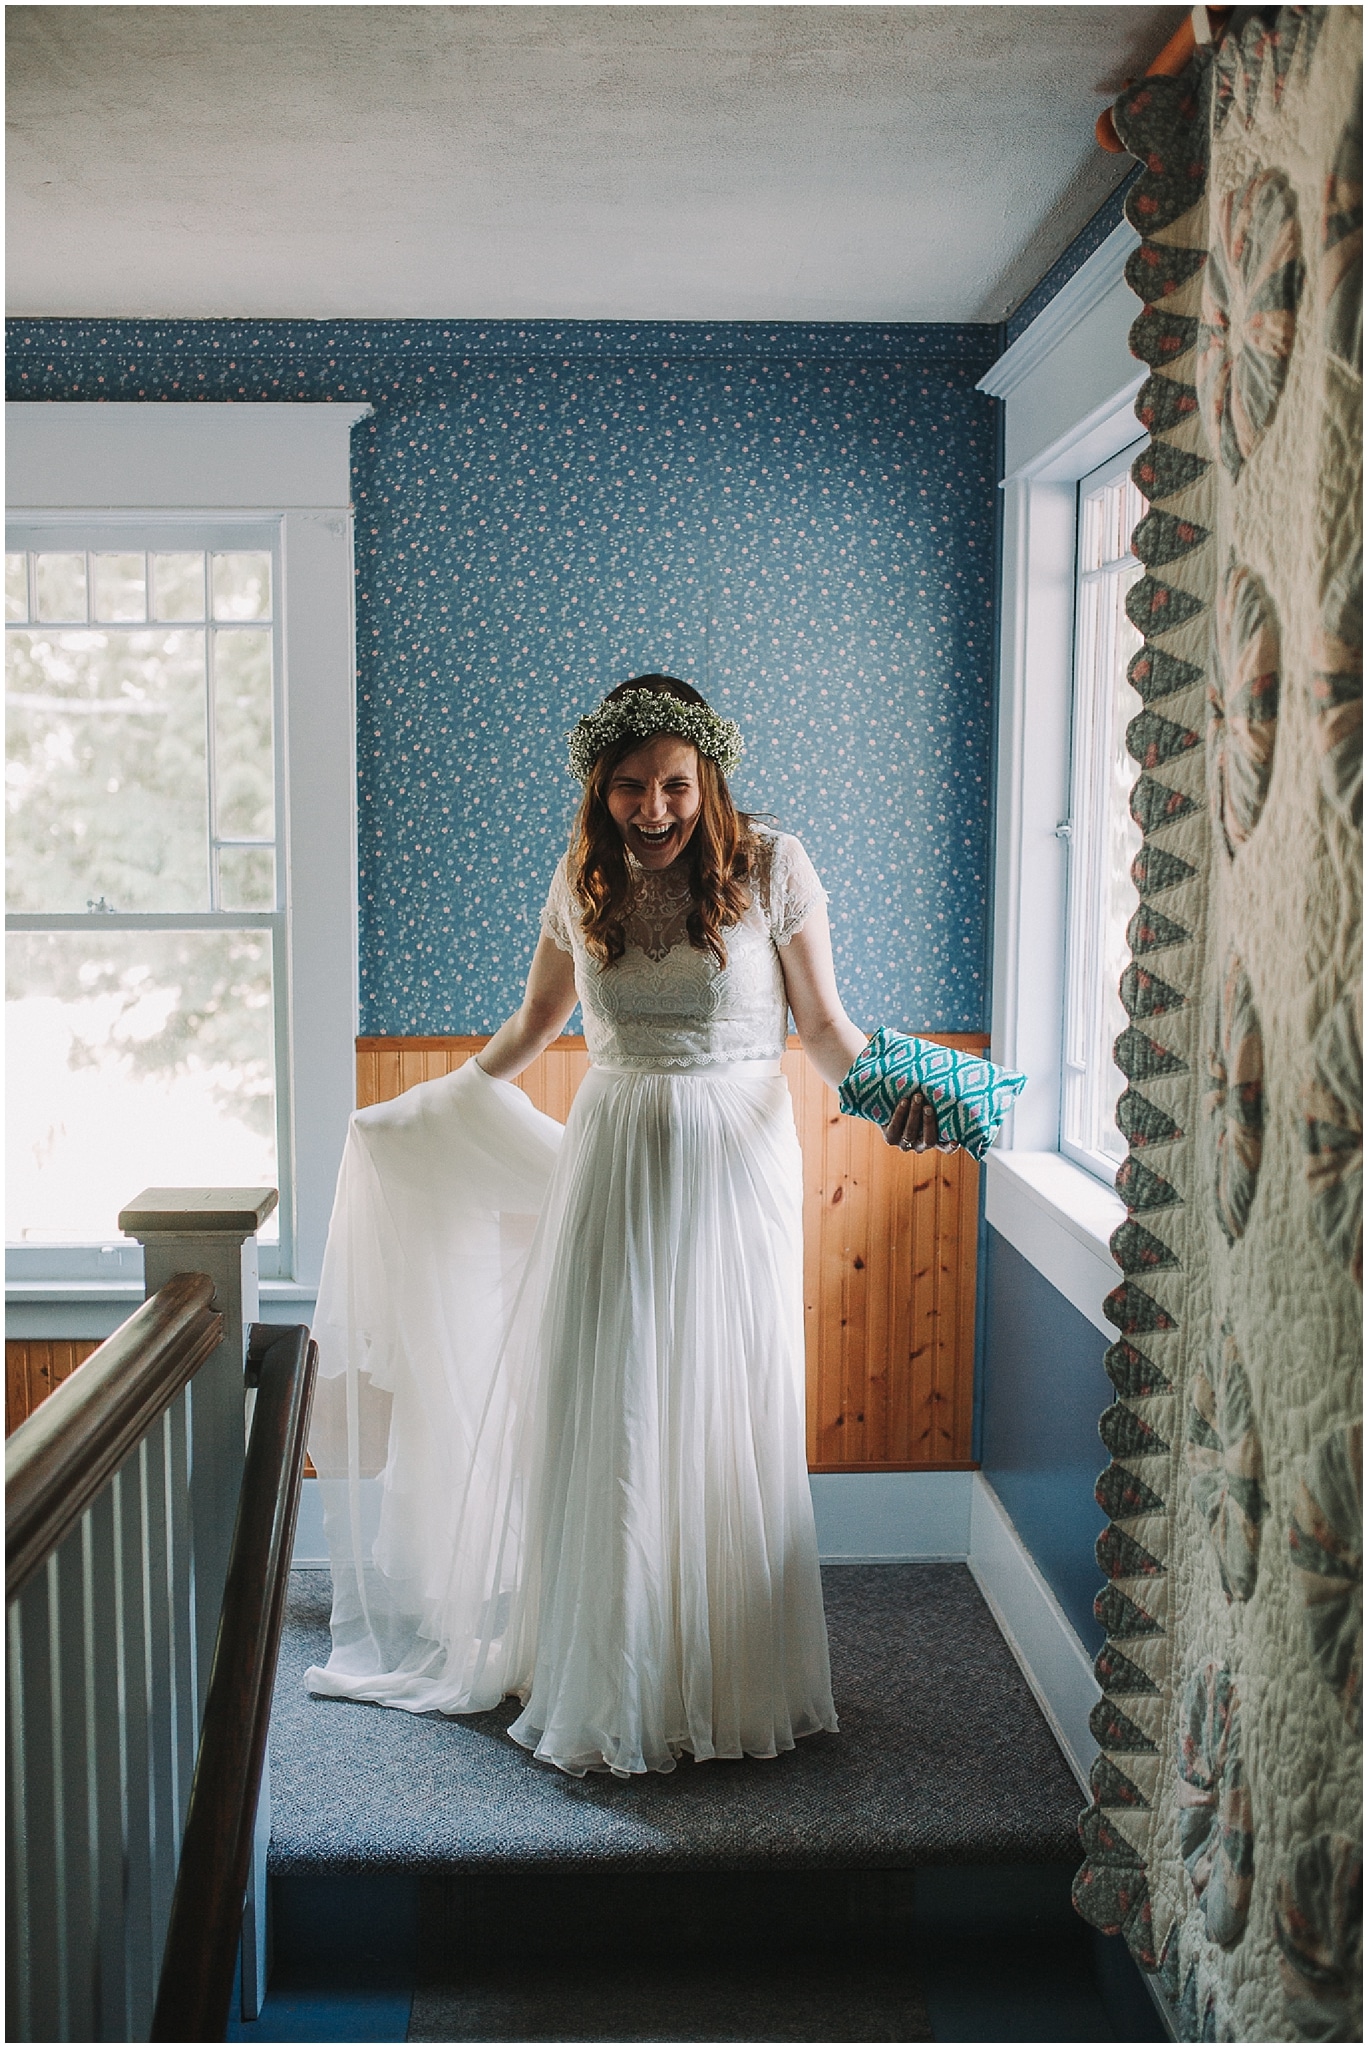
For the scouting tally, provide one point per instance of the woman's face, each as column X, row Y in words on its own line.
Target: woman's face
column 654, row 798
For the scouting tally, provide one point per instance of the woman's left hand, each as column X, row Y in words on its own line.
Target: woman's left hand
column 912, row 1126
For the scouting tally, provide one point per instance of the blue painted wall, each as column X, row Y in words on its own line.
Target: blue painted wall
column 1043, row 1390
column 799, row 519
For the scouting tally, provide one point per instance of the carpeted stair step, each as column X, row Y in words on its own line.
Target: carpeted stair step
column 943, row 1758
column 851, row 1889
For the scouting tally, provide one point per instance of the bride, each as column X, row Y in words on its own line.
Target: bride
column 559, row 1421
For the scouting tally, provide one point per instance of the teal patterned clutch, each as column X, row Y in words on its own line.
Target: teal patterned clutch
column 970, row 1096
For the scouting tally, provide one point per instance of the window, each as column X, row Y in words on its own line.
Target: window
column 1103, row 839
column 146, row 974
column 209, row 552
column 1068, row 386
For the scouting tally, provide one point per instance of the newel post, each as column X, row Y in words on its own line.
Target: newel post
column 213, row 1231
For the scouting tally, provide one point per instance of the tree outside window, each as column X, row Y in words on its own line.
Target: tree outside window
column 145, row 959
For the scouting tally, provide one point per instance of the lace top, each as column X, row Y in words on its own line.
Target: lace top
column 665, row 1005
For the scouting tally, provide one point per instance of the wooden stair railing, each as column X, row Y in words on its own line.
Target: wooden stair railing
column 58, row 1460
column 124, row 1489
column 206, row 1914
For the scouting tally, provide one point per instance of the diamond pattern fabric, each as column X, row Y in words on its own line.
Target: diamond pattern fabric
column 970, row 1095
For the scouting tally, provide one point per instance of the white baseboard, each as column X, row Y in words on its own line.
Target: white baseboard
column 1037, row 1631
column 310, row 1550
column 892, row 1517
column 862, row 1518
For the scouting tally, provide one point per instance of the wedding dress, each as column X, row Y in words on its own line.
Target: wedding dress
column 559, row 1419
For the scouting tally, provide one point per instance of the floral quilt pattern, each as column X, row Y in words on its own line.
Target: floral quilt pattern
column 1224, row 1834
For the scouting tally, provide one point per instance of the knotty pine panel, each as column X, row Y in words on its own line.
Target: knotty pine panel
column 385, row 1067
column 34, row 1366
column 890, row 1243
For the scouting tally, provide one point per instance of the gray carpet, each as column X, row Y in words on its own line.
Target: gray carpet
column 943, row 1758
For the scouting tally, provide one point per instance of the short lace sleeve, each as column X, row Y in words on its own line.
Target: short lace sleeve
column 558, row 911
column 794, row 888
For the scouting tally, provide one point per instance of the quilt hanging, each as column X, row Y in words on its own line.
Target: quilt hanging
column 1224, row 1835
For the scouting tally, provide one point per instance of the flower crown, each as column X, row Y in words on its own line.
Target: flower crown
column 641, row 714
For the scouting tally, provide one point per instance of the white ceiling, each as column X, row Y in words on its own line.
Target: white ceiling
column 556, row 162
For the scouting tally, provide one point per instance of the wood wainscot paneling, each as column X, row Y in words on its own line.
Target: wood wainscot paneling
column 890, row 1248
column 34, row 1366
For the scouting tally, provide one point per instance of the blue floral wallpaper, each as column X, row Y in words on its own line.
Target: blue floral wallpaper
column 800, row 520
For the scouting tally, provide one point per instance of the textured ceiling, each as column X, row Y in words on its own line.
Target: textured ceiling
column 530, row 162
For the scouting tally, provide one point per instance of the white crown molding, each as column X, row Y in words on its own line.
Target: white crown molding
column 1090, row 283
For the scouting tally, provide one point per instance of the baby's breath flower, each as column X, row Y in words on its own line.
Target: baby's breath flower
column 641, row 714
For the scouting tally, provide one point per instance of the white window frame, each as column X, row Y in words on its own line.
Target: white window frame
column 1091, row 745
column 1069, row 384
column 237, row 470
column 128, row 534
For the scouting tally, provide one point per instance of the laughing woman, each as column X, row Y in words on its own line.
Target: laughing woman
column 560, row 1418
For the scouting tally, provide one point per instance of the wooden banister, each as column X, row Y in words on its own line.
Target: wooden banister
column 57, row 1461
column 206, row 1914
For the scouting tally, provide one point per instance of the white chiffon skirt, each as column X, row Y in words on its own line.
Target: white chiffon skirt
column 559, row 1420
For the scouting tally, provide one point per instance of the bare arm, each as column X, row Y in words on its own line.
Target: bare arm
column 547, row 1001
column 829, row 1038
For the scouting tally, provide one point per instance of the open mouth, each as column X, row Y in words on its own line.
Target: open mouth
column 654, row 835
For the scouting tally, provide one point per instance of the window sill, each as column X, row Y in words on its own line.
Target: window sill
column 1059, row 1219
column 60, row 1309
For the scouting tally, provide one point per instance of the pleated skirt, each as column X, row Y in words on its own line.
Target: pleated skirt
column 618, row 1526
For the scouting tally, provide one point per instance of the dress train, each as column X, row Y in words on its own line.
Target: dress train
column 559, row 1422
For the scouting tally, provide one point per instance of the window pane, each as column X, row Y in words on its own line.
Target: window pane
column 106, row 778
column 120, row 586
column 1123, row 835
column 1117, row 841
column 1090, row 549
column 16, row 586
column 246, row 878
column 242, row 586
column 1110, row 517
column 1120, row 533
column 61, row 588
column 244, row 767
column 136, row 1059
column 1105, row 839
column 1134, row 513
column 177, row 586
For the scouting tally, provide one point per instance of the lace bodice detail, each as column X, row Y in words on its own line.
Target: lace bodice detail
column 664, row 1005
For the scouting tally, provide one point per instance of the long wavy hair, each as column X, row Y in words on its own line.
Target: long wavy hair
column 720, row 857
